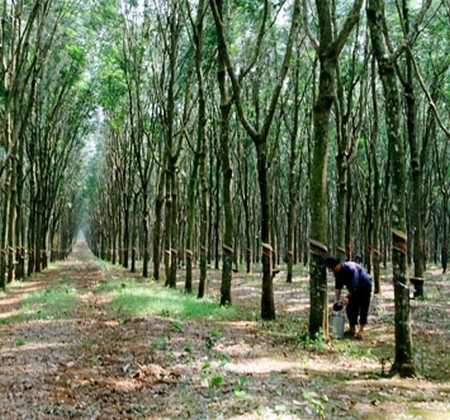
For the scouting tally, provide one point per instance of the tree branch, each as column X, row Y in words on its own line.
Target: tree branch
column 429, row 97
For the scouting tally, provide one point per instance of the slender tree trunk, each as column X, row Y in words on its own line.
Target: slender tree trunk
column 203, row 193
column 444, row 224
column 243, row 185
column 375, row 246
column 20, row 226
column 329, row 49
column 292, row 177
column 32, row 221
column 318, row 316
column 203, row 231
column 198, row 152
column 267, row 297
column 404, row 363
column 171, row 149
column 417, row 208
column 227, row 173
column 126, row 234
column 4, row 233
column 217, row 203
column 145, row 235
column 159, row 202
column 12, row 222
column 133, row 234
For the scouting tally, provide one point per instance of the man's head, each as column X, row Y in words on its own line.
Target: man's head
column 333, row 264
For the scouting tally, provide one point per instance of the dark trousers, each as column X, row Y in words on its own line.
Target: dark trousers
column 358, row 305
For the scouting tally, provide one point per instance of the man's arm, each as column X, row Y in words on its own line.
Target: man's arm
column 337, row 294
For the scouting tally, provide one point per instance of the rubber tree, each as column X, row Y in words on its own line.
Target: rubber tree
column 225, row 109
column 328, row 46
column 294, row 119
column 348, row 106
column 170, row 27
column 404, row 363
column 374, row 180
column 418, row 149
column 260, row 137
column 197, row 176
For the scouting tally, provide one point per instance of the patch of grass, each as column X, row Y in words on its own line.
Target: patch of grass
column 354, row 351
column 58, row 302
column 426, row 414
column 134, row 299
column 54, row 303
column 316, row 344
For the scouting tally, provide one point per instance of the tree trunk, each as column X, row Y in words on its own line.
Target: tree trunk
column 203, row 193
column 171, row 149
column 375, row 244
column 4, row 235
column 318, row 317
column 267, row 298
column 404, row 359
column 199, row 152
column 227, row 173
column 134, row 234
column 293, row 180
column 145, row 235
column 417, row 209
column 328, row 52
column 159, row 202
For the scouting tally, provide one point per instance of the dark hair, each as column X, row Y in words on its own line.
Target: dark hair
column 332, row 262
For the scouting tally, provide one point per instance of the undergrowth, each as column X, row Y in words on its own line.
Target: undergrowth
column 130, row 298
column 57, row 302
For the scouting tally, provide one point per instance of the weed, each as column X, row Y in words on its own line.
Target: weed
column 276, row 388
column 420, row 358
column 177, row 325
column 316, row 344
column 316, row 403
column 158, row 343
column 216, row 381
column 216, row 334
column 239, row 389
column 20, row 341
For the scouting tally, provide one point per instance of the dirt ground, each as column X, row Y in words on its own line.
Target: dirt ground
column 95, row 364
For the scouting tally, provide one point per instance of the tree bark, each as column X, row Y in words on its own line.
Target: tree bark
column 227, row 172
column 404, row 364
column 329, row 48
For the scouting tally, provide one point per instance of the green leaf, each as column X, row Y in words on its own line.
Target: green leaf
column 216, row 380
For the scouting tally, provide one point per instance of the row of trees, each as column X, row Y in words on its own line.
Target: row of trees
column 45, row 103
column 229, row 133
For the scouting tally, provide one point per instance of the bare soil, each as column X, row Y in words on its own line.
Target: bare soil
column 95, row 364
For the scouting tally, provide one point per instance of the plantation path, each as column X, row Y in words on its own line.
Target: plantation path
column 72, row 347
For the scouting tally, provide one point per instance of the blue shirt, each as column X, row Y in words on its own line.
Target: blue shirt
column 353, row 277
